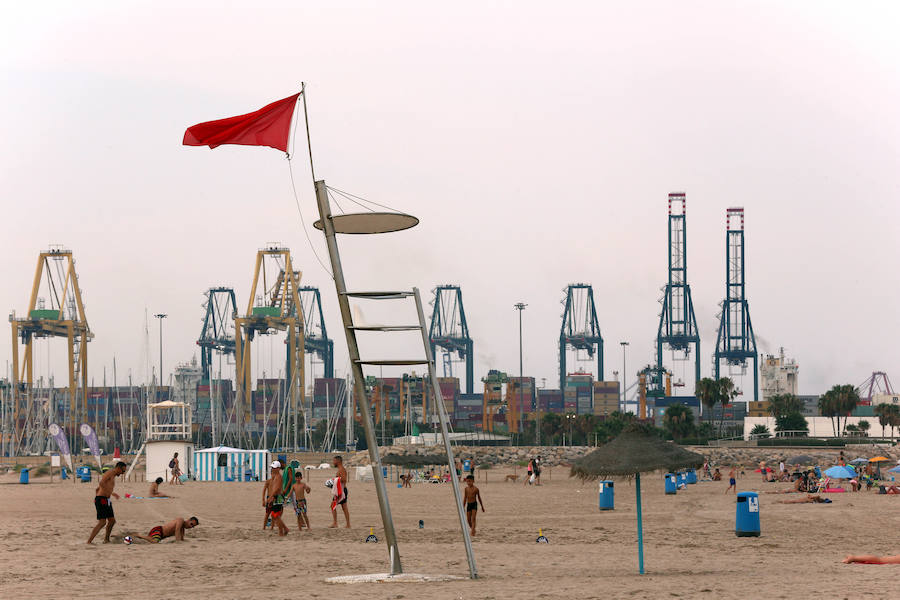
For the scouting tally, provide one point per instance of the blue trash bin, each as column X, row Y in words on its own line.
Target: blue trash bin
column 467, row 465
column 691, row 476
column 682, row 478
column 607, row 498
column 63, row 474
column 23, row 475
column 746, row 520
column 671, row 483
column 84, row 473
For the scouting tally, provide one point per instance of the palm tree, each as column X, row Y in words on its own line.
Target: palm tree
column 884, row 417
column 893, row 412
column 782, row 404
column 707, row 392
column 847, row 401
column 727, row 393
column 828, row 407
column 678, row 420
column 760, row 431
column 864, row 427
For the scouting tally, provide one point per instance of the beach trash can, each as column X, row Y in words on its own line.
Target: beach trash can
column 746, row 520
column 692, row 476
column 84, row 473
column 606, row 498
column 63, row 474
column 467, row 466
column 682, row 478
column 23, row 475
column 671, row 483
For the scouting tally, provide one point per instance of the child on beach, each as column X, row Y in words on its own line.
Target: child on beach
column 471, row 498
column 732, row 482
column 298, row 493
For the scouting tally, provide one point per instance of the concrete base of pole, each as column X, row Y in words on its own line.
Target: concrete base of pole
column 388, row 578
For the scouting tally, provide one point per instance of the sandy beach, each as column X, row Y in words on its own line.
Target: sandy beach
column 691, row 549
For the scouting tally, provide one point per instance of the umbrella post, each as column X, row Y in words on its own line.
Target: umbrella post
column 637, row 490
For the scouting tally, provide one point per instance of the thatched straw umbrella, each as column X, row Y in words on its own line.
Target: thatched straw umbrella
column 414, row 460
column 635, row 451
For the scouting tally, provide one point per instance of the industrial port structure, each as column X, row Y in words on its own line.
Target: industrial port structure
column 278, row 405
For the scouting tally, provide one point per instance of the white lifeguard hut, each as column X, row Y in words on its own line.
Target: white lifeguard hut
column 169, row 429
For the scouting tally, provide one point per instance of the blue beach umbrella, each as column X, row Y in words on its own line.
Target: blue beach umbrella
column 859, row 461
column 894, row 470
column 840, row 472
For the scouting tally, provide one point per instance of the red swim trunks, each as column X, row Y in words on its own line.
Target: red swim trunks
column 156, row 534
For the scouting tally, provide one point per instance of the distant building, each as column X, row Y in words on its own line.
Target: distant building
column 885, row 399
column 778, row 375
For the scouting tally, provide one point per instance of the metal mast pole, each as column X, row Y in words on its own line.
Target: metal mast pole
column 624, row 374
column 520, row 306
column 356, row 369
column 160, row 316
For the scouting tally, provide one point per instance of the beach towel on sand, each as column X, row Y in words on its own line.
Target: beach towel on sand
column 337, row 492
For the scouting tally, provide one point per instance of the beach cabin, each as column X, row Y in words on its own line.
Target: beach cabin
column 168, row 431
column 231, row 464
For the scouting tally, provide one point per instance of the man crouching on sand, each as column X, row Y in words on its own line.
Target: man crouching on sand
column 102, row 502
column 174, row 527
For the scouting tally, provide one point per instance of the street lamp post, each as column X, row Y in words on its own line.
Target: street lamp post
column 520, row 306
column 624, row 375
column 160, row 316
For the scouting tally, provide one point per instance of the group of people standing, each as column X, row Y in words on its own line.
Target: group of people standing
column 279, row 490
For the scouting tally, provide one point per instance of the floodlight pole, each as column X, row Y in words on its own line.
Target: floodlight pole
column 358, row 378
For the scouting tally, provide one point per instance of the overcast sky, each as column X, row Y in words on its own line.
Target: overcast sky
column 537, row 143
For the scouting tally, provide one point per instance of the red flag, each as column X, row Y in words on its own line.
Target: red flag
column 269, row 126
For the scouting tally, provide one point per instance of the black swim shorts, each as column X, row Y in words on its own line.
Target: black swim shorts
column 104, row 508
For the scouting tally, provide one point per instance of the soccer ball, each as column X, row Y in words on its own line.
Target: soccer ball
column 128, row 540
column 329, row 483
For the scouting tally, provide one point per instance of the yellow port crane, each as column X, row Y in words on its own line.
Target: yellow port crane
column 55, row 277
column 274, row 306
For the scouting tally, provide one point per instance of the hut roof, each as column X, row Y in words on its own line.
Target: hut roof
column 634, row 452
column 414, row 460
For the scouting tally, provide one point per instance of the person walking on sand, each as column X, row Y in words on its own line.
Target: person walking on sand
column 537, row 470
column 530, row 474
column 174, row 527
column 176, row 470
column 471, row 498
column 298, row 493
column 102, row 503
column 274, row 498
column 732, row 482
column 339, row 492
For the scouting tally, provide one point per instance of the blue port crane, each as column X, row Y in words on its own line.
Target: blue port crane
column 736, row 343
column 217, row 334
column 450, row 331
column 677, row 322
column 580, row 328
column 316, row 341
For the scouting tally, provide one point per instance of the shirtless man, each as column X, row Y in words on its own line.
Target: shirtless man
column 154, row 489
column 342, row 501
column 273, row 498
column 471, row 498
column 299, row 490
column 104, row 508
column 174, row 527
column 873, row 560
